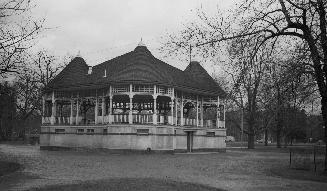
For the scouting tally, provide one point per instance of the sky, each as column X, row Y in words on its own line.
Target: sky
column 99, row 30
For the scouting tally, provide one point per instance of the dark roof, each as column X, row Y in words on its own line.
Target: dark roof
column 137, row 67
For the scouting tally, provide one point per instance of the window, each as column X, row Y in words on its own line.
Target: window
column 90, row 130
column 59, row 130
column 142, row 131
column 210, row 134
column 80, row 130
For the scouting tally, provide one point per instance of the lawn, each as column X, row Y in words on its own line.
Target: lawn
column 237, row 169
column 8, row 167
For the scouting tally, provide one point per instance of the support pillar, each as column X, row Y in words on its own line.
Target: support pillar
column 182, row 111
column 103, row 109
column 155, row 117
column 176, row 112
column 110, row 110
column 155, row 122
column 201, row 112
column 53, row 113
column 130, row 115
column 77, row 112
column 197, row 111
column 71, row 112
column 96, row 109
column 172, row 111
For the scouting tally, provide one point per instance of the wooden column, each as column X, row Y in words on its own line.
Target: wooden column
column 155, row 117
column 201, row 112
column 103, row 109
column 182, row 111
column 110, row 110
column 53, row 113
column 130, row 115
column 176, row 111
column 110, row 118
column 71, row 111
column 77, row 111
column 96, row 109
column 197, row 111
column 172, row 111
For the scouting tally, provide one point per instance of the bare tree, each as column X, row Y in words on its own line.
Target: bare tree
column 269, row 19
column 40, row 69
column 17, row 31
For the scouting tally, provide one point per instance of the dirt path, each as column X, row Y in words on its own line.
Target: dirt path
column 234, row 170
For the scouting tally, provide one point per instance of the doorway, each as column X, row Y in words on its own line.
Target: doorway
column 189, row 141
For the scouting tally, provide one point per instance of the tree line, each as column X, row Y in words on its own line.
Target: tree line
column 24, row 73
column 276, row 58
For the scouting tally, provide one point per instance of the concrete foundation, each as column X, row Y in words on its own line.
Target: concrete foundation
column 133, row 138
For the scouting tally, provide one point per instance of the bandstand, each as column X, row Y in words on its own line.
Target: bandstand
column 133, row 102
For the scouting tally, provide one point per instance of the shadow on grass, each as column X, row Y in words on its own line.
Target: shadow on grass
column 125, row 184
column 8, row 167
column 298, row 174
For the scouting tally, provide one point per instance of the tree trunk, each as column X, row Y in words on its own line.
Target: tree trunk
column 279, row 119
column 251, row 122
column 266, row 137
column 324, row 116
column 251, row 140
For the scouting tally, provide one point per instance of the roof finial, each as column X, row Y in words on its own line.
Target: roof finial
column 78, row 53
column 141, row 43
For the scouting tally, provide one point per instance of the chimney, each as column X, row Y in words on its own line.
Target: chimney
column 90, row 70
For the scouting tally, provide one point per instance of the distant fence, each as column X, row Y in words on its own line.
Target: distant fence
column 308, row 158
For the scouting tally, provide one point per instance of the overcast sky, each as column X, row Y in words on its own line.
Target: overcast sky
column 104, row 29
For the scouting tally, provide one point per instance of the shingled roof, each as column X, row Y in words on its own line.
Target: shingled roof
column 137, row 67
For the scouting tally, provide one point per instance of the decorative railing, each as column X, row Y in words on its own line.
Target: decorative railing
column 120, row 118
column 189, row 122
column 119, row 89
column 143, row 118
column 46, row 120
column 162, row 119
column 143, row 88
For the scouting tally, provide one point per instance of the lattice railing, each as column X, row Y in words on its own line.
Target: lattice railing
column 119, row 89
column 143, row 88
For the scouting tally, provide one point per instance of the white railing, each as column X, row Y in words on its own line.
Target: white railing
column 120, row 118
column 143, row 88
column 189, row 122
column 161, row 119
column 118, row 89
column 143, row 118
column 46, row 120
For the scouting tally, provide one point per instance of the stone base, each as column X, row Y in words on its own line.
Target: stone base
column 111, row 151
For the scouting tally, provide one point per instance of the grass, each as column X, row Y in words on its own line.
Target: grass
column 263, row 168
column 126, row 184
column 8, row 167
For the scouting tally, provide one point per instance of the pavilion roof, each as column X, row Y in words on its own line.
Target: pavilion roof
column 137, row 67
